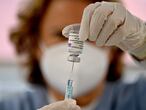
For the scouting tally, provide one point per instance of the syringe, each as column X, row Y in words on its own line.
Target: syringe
column 75, row 47
column 69, row 86
column 69, row 89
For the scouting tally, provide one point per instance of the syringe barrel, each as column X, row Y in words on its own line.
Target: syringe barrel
column 69, row 89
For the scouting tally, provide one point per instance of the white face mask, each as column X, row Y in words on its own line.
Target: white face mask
column 87, row 74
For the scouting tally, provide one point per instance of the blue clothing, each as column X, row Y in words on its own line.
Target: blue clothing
column 30, row 100
column 116, row 96
column 120, row 96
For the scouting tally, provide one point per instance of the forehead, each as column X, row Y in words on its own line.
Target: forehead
column 59, row 14
column 64, row 12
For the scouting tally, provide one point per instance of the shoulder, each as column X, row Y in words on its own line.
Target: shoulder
column 126, row 96
column 30, row 99
column 127, row 91
column 132, row 95
column 136, row 87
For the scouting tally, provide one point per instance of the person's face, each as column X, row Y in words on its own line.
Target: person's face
column 59, row 14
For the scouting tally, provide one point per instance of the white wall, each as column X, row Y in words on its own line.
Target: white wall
column 8, row 10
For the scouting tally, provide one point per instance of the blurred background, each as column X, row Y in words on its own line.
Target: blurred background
column 12, row 82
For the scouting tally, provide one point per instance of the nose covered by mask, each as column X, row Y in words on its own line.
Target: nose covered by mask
column 86, row 74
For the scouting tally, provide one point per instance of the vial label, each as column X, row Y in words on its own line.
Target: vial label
column 75, row 46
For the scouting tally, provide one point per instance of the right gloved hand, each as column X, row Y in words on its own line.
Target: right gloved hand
column 69, row 104
column 110, row 24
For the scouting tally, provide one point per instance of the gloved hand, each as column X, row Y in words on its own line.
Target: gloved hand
column 110, row 24
column 62, row 105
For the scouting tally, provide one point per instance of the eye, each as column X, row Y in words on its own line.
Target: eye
column 58, row 33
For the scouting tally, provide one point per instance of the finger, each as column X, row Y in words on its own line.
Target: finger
column 77, row 108
column 113, row 22
column 86, row 18
column 71, row 105
column 44, row 108
column 55, row 105
column 74, row 108
column 98, row 19
column 67, row 29
column 71, row 101
column 115, row 37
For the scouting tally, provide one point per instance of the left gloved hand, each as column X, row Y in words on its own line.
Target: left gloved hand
column 62, row 105
column 110, row 24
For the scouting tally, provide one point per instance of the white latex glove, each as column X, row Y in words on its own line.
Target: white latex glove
column 62, row 105
column 110, row 24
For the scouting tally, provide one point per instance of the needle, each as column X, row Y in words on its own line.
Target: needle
column 72, row 67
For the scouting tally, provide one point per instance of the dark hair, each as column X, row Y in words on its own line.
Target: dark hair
column 26, row 40
column 116, row 65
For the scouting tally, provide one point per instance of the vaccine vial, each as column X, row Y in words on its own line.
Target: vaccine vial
column 75, row 46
